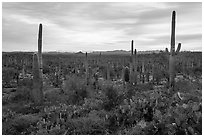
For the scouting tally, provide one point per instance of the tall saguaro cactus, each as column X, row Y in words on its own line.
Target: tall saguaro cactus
column 40, row 49
column 135, row 66
column 87, row 69
column 143, row 71
column 131, row 64
column 108, row 71
column 37, row 92
column 172, row 53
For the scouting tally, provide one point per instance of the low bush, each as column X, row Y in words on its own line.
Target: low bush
column 76, row 89
column 21, row 94
column 112, row 98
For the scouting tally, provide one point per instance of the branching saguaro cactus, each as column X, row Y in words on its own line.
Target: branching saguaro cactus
column 172, row 53
column 37, row 92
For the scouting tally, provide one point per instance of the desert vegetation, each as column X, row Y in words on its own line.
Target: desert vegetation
column 84, row 93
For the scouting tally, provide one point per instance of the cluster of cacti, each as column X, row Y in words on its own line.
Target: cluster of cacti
column 130, row 74
column 172, row 53
column 37, row 91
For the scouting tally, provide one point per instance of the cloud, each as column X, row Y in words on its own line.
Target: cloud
column 90, row 26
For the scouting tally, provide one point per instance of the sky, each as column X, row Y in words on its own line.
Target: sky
column 101, row 26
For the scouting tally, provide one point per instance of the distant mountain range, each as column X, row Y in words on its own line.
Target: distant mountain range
column 125, row 52
column 114, row 52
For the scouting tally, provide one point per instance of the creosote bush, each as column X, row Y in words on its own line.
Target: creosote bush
column 112, row 97
column 21, row 94
column 76, row 89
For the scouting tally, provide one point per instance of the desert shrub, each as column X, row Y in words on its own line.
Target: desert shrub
column 130, row 91
column 92, row 104
column 24, row 124
column 70, row 119
column 135, row 130
column 112, row 97
column 15, row 124
column 144, row 87
column 126, row 75
column 54, row 95
column 90, row 125
column 8, row 75
column 197, row 71
column 21, row 94
column 26, row 82
column 75, row 89
column 5, row 99
column 7, row 115
column 187, row 86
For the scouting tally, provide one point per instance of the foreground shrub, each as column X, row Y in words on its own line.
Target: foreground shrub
column 21, row 94
column 90, row 125
column 112, row 97
column 76, row 89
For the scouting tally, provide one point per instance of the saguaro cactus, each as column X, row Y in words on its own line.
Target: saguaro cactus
column 172, row 53
column 135, row 66
column 40, row 50
column 131, row 64
column 23, row 70
column 37, row 92
column 108, row 71
column 87, row 69
column 143, row 71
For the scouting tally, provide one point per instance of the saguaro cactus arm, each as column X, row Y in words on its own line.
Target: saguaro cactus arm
column 132, row 48
column 178, row 48
column 167, row 51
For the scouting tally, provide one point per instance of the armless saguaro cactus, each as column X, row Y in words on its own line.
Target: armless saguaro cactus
column 143, row 71
column 87, row 69
column 135, row 66
column 108, row 71
column 173, row 53
column 131, row 64
column 40, row 49
column 37, row 92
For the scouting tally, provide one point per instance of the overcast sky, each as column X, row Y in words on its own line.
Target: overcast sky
column 89, row 27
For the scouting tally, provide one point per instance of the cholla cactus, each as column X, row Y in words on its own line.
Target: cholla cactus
column 172, row 53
